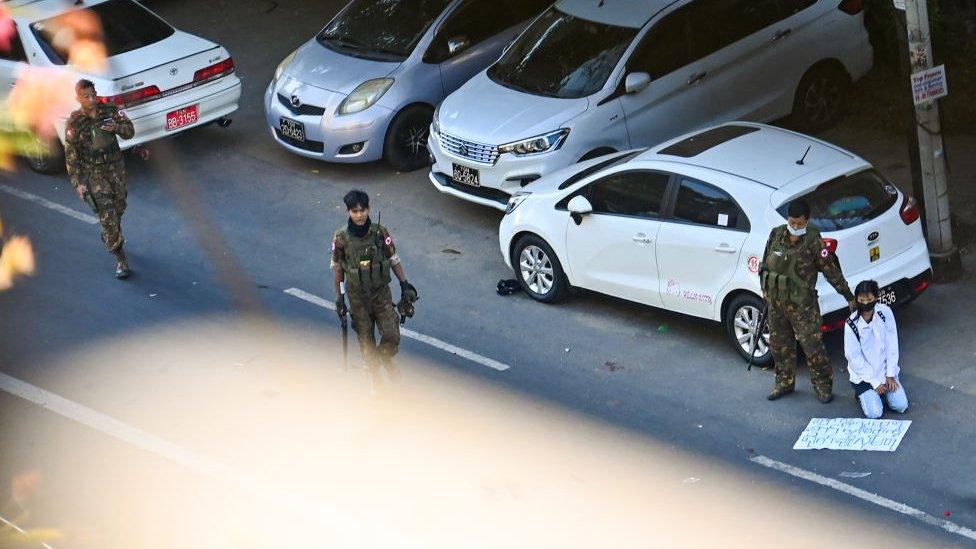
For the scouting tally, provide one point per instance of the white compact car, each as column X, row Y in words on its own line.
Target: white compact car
column 587, row 78
column 683, row 226
column 166, row 80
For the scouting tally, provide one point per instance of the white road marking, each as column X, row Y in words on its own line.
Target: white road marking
column 869, row 497
column 48, row 204
column 406, row 332
column 20, row 530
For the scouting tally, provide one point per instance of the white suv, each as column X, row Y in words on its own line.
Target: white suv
column 682, row 226
column 588, row 78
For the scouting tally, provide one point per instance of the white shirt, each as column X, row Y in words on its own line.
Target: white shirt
column 875, row 356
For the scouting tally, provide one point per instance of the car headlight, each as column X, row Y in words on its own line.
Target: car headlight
column 516, row 200
column 284, row 65
column 535, row 145
column 364, row 96
column 435, row 125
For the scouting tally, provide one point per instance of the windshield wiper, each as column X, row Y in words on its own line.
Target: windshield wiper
column 343, row 42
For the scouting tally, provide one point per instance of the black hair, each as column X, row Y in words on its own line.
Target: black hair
column 866, row 287
column 798, row 208
column 355, row 198
column 85, row 84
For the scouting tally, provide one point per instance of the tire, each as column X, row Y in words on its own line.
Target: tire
column 820, row 98
column 596, row 153
column 405, row 148
column 740, row 318
column 48, row 162
column 538, row 270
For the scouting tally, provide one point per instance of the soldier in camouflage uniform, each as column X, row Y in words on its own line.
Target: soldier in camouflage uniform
column 794, row 255
column 363, row 255
column 95, row 165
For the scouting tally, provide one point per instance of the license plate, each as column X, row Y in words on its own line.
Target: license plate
column 466, row 175
column 887, row 295
column 292, row 128
column 182, row 117
column 875, row 253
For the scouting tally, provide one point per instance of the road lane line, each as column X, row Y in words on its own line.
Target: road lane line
column 21, row 530
column 48, row 204
column 406, row 332
column 869, row 497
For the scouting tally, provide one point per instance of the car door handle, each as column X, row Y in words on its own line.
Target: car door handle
column 781, row 35
column 696, row 78
column 642, row 238
column 725, row 249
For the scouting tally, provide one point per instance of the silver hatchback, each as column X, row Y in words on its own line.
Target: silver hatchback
column 365, row 87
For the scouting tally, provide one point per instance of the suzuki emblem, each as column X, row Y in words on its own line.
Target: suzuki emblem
column 463, row 150
column 173, row 71
column 295, row 101
column 873, row 236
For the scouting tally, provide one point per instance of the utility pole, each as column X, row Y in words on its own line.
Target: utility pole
column 944, row 255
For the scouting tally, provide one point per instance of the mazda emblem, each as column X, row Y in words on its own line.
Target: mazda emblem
column 873, row 236
column 295, row 101
column 463, row 150
column 173, row 71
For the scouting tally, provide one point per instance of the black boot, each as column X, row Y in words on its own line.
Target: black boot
column 122, row 267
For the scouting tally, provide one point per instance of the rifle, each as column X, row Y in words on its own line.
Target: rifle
column 345, row 329
column 757, row 333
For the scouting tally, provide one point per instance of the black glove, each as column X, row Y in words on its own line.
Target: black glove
column 341, row 308
column 408, row 292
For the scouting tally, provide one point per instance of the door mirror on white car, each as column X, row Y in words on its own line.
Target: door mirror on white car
column 637, row 82
column 456, row 44
column 578, row 207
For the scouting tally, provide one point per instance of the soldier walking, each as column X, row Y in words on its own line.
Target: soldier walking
column 95, row 165
column 363, row 255
column 794, row 255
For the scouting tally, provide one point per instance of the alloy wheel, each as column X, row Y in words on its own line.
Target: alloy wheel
column 536, row 269
column 744, row 325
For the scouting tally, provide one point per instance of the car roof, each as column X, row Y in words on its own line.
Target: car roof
column 767, row 155
column 36, row 10
column 621, row 13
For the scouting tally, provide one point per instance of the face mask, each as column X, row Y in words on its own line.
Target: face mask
column 796, row 232
column 866, row 307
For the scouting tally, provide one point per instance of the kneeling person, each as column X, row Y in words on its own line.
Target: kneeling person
column 871, row 348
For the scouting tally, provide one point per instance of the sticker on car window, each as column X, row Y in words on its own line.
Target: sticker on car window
column 723, row 220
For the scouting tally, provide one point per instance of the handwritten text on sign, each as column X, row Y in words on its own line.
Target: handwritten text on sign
column 880, row 435
column 929, row 85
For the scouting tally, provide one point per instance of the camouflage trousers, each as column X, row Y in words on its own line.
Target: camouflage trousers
column 372, row 310
column 108, row 189
column 789, row 324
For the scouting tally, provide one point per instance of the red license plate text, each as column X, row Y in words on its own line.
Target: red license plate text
column 182, row 117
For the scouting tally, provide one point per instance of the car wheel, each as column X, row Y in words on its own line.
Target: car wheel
column 46, row 158
column 820, row 98
column 538, row 270
column 406, row 140
column 741, row 318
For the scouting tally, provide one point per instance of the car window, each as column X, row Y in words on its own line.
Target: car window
column 638, row 194
column 479, row 20
column 718, row 23
column 560, row 55
column 126, row 26
column 665, row 48
column 703, row 204
column 847, row 202
column 381, row 29
column 16, row 51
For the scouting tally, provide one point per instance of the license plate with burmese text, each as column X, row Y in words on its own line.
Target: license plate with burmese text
column 466, row 175
column 182, row 117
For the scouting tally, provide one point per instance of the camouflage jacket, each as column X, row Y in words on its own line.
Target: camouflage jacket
column 86, row 144
column 814, row 257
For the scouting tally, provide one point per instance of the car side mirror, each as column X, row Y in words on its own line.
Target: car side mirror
column 456, row 44
column 578, row 207
column 637, row 82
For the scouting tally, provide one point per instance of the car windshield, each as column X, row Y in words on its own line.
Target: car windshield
column 560, row 55
column 846, row 202
column 126, row 26
column 381, row 29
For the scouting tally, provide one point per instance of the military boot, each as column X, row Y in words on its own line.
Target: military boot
column 122, row 267
column 779, row 391
column 824, row 394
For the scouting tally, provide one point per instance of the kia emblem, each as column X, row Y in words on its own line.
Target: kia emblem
column 463, row 150
column 873, row 236
column 173, row 71
column 295, row 101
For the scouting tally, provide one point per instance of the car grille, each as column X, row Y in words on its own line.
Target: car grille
column 308, row 145
column 301, row 110
column 481, row 192
column 476, row 152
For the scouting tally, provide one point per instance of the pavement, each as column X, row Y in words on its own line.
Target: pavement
column 222, row 222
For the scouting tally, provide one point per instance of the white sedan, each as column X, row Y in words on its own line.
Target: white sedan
column 683, row 226
column 166, row 80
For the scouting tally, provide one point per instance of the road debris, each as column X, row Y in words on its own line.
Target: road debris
column 855, row 474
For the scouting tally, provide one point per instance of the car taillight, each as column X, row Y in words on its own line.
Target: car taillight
column 133, row 97
column 921, row 286
column 852, row 7
column 909, row 210
column 830, row 244
column 223, row 68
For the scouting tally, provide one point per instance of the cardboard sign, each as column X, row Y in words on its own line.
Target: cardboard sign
column 929, row 85
column 879, row 435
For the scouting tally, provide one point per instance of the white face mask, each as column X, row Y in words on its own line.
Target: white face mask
column 796, row 232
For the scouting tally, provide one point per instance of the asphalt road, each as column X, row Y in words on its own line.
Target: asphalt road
column 222, row 221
